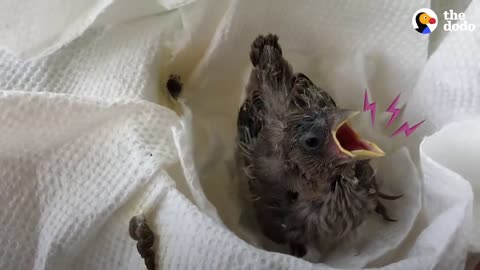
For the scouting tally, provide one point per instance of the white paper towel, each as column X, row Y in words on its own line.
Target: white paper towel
column 82, row 149
column 461, row 142
column 36, row 28
column 448, row 88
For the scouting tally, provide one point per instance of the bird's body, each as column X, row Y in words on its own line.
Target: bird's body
column 308, row 187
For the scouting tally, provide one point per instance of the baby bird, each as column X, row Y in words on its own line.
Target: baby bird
column 308, row 170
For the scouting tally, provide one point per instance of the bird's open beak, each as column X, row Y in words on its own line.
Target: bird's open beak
column 349, row 142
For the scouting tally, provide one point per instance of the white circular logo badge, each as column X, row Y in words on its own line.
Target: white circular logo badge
column 424, row 21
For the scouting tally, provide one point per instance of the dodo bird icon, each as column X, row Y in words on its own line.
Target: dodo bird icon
column 425, row 21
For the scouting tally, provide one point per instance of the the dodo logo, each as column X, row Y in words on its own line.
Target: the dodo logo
column 424, row 21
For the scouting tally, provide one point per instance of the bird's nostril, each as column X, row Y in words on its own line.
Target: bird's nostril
column 432, row 20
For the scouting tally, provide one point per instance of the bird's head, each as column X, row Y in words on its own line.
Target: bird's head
column 322, row 140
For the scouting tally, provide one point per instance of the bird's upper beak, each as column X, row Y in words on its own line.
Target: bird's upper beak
column 349, row 142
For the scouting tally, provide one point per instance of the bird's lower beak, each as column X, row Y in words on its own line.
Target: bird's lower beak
column 350, row 143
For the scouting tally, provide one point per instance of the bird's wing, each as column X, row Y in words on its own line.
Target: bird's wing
column 267, row 82
column 249, row 123
column 305, row 94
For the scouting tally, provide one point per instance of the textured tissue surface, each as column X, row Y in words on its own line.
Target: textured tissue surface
column 90, row 138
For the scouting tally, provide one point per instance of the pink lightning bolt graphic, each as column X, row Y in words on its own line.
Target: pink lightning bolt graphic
column 392, row 109
column 369, row 107
column 408, row 130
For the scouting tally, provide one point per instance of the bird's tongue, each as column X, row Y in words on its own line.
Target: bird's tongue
column 351, row 144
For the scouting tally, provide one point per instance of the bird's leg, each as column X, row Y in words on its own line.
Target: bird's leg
column 380, row 208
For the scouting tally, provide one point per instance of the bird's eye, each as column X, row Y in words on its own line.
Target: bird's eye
column 311, row 142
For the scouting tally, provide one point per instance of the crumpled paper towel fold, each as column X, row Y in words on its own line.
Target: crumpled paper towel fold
column 85, row 146
column 460, row 141
column 37, row 28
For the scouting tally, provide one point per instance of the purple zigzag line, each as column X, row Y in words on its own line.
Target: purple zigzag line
column 392, row 109
column 372, row 107
column 408, row 130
